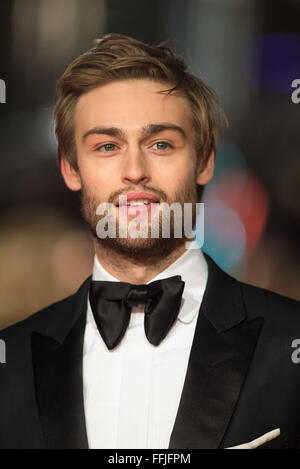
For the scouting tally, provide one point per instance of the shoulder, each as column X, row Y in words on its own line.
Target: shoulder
column 256, row 300
column 34, row 320
column 273, row 307
column 49, row 315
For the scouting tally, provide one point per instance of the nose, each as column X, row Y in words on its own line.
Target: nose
column 135, row 169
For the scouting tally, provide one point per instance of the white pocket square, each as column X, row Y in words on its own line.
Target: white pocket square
column 258, row 441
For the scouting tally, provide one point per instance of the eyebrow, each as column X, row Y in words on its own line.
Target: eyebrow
column 149, row 129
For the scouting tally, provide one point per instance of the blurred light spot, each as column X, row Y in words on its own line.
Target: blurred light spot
column 244, row 194
column 71, row 259
column 225, row 236
column 236, row 210
column 229, row 157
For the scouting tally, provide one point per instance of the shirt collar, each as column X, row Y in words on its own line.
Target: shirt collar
column 193, row 269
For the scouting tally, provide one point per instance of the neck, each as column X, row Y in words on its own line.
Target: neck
column 133, row 270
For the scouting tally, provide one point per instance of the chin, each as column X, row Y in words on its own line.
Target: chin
column 140, row 248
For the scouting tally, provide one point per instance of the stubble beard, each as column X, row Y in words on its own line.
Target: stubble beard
column 142, row 249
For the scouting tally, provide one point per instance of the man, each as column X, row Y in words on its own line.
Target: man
column 160, row 348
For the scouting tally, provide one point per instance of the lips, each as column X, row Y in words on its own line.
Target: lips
column 145, row 197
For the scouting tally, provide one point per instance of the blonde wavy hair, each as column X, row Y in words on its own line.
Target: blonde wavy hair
column 117, row 57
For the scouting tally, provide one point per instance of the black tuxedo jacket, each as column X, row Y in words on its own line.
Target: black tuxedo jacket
column 241, row 381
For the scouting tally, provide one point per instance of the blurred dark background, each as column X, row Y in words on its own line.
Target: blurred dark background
column 247, row 50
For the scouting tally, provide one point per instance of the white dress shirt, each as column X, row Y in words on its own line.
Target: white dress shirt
column 132, row 392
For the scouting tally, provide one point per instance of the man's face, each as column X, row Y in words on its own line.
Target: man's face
column 131, row 139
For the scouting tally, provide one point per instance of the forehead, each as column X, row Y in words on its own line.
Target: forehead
column 131, row 104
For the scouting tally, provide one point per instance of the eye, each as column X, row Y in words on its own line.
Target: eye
column 106, row 147
column 163, row 145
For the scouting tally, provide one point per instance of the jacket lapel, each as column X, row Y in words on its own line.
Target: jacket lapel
column 221, row 353
column 57, row 363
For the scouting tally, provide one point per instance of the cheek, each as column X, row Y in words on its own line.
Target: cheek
column 96, row 183
column 91, row 171
column 95, row 171
column 177, row 175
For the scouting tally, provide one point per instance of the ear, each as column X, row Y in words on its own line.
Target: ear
column 206, row 173
column 71, row 176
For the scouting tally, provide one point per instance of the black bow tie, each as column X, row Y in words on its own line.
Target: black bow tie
column 111, row 303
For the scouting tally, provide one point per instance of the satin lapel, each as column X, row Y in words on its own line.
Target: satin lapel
column 57, row 364
column 221, row 352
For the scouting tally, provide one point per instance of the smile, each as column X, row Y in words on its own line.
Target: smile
column 137, row 199
column 138, row 203
column 138, row 207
